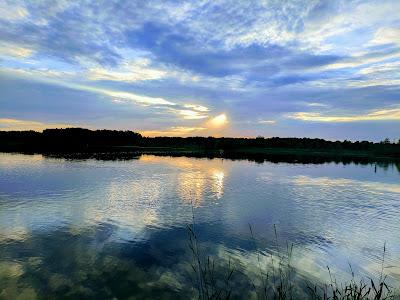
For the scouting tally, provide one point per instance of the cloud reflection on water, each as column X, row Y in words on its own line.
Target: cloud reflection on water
column 333, row 214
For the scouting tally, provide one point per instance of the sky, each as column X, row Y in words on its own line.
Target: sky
column 328, row 69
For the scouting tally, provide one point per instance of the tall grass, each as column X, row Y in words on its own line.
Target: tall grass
column 210, row 282
column 355, row 290
column 276, row 280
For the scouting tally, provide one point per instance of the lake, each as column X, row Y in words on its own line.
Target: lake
column 104, row 229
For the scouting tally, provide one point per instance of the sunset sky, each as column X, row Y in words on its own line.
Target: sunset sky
column 328, row 69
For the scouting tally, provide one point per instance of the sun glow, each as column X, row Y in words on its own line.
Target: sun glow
column 218, row 121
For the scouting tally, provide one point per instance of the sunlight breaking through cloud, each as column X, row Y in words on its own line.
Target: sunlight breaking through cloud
column 218, row 121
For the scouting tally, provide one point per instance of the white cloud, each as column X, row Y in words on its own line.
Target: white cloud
column 61, row 78
column 197, row 107
column 386, row 35
column 174, row 131
column 358, row 61
column 319, row 35
column 288, row 23
column 18, row 125
column 268, row 122
column 389, row 114
column 379, row 68
column 315, row 104
column 188, row 114
column 15, row 50
column 12, row 12
column 40, row 74
column 374, row 82
column 379, row 74
column 131, row 71
column 125, row 96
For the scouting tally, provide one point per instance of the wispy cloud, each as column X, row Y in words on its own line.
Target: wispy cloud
column 136, row 70
column 196, row 107
column 17, row 125
column 268, row 122
column 363, row 59
column 125, row 96
column 186, row 111
column 11, row 12
column 14, row 50
column 60, row 78
column 386, row 35
column 174, row 131
column 315, row 104
column 188, row 114
column 376, row 115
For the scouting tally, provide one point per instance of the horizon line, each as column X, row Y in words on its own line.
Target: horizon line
column 198, row 136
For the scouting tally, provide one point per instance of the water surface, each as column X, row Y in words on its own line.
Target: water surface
column 103, row 229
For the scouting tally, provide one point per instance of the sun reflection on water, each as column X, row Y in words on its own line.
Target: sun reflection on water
column 195, row 178
column 218, row 182
column 92, row 208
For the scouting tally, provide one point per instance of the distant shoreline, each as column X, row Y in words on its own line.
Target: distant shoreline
column 79, row 141
column 305, row 156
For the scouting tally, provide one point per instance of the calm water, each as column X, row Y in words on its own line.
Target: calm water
column 110, row 229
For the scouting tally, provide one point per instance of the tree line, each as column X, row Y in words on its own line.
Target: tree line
column 80, row 139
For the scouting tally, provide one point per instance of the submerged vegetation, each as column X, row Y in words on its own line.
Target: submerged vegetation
column 85, row 140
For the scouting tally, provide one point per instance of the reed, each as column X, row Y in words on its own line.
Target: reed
column 355, row 289
column 209, row 281
column 276, row 281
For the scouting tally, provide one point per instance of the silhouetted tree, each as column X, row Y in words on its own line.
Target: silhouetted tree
column 85, row 140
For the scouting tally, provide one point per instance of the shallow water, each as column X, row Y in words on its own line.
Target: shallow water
column 104, row 229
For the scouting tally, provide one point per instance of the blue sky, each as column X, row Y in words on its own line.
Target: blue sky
column 328, row 69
